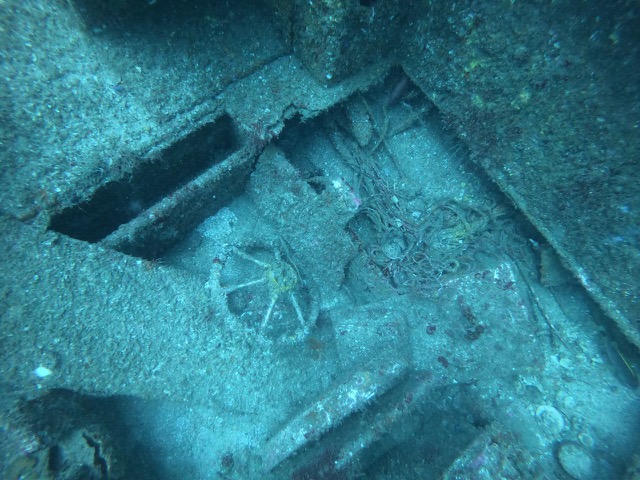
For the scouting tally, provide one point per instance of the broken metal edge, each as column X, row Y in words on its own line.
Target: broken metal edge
column 609, row 306
column 180, row 212
column 329, row 412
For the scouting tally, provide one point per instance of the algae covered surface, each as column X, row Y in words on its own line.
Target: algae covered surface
column 329, row 239
column 551, row 106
